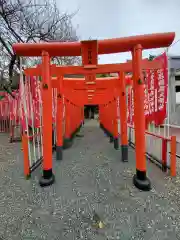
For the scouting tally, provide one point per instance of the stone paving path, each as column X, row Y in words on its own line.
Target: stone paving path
column 90, row 178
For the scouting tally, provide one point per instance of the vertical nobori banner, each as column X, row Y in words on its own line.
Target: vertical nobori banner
column 162, row 87
column 35, row 99
column 128, row 103
column 130, row 95
column 155, row 88
column 147, row 106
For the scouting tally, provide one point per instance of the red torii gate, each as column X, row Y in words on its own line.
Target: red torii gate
column 89, row 51
column 100, row 91
column 96, row 86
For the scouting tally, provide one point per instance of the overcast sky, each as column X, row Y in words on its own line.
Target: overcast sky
column 100, row 19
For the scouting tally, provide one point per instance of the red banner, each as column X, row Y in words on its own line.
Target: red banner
column 162, row 86
column 155, row 90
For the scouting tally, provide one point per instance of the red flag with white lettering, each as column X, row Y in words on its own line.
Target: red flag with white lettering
column 162, row 86
column 155, row 90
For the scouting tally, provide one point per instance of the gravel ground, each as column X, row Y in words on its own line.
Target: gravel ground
column 90, row 178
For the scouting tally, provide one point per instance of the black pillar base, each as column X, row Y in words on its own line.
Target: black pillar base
column 47, row 179
column 141, row 181
column 100, row 125
column 78, row 135
column 116, row 143
column 59, row 152
column 106, row 132
column 111, row 139
column 67, row 143
column 124, row 152
column 53, row 148
column 164, row 167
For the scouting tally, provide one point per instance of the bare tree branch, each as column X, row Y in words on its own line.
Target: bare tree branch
column 32, row 21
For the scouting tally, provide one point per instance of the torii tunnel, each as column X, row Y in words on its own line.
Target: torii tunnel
column 94, row 91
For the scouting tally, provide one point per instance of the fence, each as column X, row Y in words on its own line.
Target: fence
column 159, row 148
column 15, row 118
column 10, row 116
column 4, row 116
column 32, row 122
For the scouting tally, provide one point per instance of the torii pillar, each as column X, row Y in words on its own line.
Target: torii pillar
column 140, row 179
